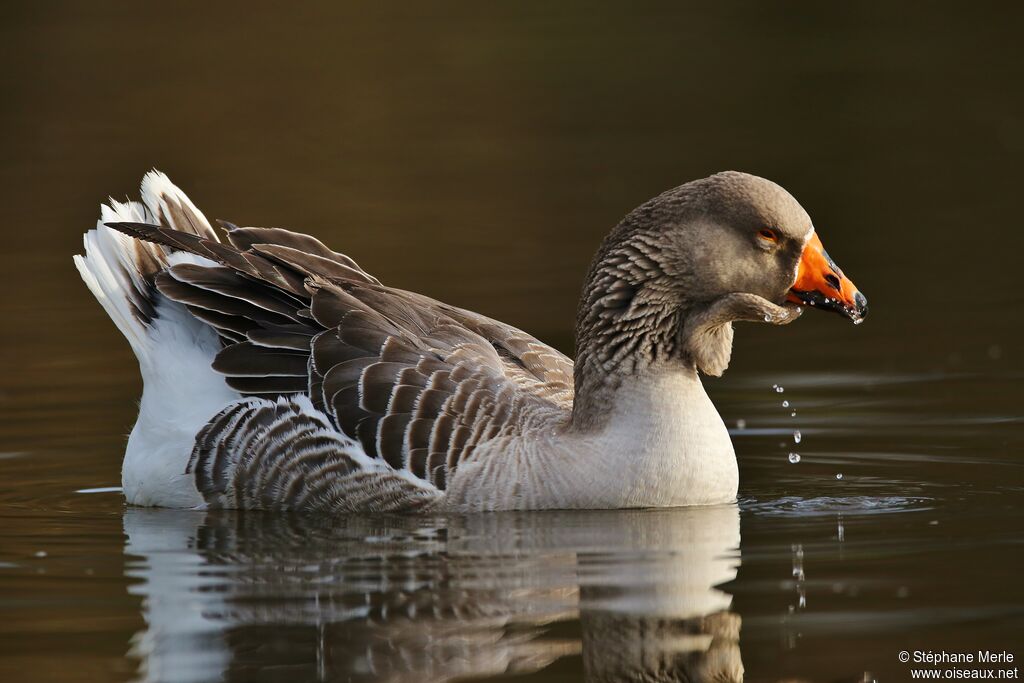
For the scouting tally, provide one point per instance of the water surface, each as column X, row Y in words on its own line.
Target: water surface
column 479, row 154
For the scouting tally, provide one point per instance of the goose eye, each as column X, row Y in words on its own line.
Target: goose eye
column 768, row 234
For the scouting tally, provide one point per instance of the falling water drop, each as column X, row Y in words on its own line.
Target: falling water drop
column 779, row 390
column 767, row 317
column 785, row 404
column 797, row 436
column 793, row 414
column 741, row 424
column 839, row 476
column 794, row 458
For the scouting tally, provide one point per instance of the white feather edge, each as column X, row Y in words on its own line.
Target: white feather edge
column 157, row 188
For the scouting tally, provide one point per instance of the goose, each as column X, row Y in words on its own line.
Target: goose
column 279, row 375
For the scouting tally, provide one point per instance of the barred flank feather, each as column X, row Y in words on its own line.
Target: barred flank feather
column 280, row 455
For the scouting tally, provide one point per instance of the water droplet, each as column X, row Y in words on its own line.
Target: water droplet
column 794, row 458
column 40, row 553
column 785, row 404
column 793, row 414
column 858, row 321
column 767, row 317
column 775, row 386
column 741, row 424
column 797, row 436
column 779, row 390
column 839, row 476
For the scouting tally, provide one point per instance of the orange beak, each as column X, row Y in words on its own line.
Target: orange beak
column 821, row 284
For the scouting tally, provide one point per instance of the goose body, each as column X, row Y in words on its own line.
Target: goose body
column 280, row 375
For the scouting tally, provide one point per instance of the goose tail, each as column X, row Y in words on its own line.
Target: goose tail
column 120, row 270
column 180, row 390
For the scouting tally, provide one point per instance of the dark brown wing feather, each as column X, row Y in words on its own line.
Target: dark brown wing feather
column 418, row 383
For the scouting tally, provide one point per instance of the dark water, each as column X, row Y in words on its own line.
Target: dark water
column 479, row 154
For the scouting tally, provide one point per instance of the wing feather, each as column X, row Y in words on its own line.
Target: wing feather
column 419, row 385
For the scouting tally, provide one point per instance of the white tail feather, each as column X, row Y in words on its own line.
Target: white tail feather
column 111, row 271
column 119, row 270
column 172, row 207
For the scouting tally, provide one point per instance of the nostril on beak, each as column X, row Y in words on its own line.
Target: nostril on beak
column 833, row 282
column 861, row 302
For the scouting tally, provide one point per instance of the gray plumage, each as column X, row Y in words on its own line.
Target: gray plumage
column 299, row 381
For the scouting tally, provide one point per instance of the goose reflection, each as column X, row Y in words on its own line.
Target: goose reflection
column 260, row 597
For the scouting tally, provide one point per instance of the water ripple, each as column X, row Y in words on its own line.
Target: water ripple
column 796, row 506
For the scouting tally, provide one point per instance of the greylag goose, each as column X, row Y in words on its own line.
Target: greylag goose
column 280, row 375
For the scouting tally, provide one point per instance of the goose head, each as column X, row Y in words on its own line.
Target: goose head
column 735, row 233
column 669, row 281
